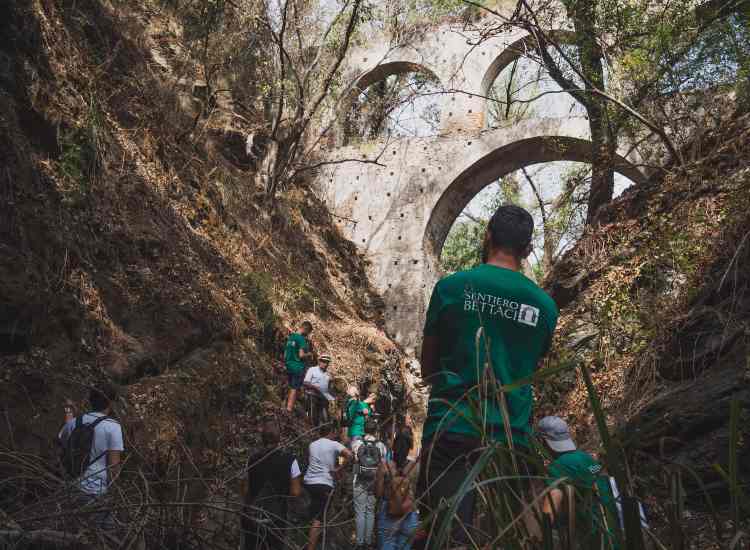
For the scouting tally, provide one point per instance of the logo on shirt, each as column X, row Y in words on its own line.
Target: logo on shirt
column 528, row 315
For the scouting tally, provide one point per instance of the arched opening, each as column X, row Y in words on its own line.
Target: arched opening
column 398, row 98
column 493, row 167
column 517, row 86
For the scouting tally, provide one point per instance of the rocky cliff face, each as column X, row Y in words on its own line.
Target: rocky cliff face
column 656, row 303
column 136, row 251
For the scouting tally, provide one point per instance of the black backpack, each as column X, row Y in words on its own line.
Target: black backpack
column 77, row 451
column 368, row 458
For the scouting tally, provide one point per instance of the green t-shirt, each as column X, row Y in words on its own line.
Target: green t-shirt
column 357, row 417
column 294, row 343
column 585, row 473
column 517, row 318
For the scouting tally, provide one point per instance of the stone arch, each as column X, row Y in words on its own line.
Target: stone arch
column 514, row 51
column 495, row 165
column 365, row 80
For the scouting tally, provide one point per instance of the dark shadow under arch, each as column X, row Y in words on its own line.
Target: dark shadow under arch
column 497, row 164
column 364, row 81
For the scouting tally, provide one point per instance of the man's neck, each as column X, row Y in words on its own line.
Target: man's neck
column 498, row 258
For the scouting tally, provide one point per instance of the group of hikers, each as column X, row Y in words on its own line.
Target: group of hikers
column 485, row 328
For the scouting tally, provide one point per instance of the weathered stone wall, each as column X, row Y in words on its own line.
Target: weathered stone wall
column 400, row 210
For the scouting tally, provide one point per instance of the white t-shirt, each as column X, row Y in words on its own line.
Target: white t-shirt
column 107, row 437
column 320, row 379
column 295, row 471
column 323, row 455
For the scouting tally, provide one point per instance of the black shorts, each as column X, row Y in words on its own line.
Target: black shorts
column 320, row 495
column 445, row 463
column 295, row 380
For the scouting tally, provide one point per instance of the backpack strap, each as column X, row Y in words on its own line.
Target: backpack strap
column 93, row 425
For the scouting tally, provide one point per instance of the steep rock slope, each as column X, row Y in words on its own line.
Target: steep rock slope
column 656, row 302
column 134, row 250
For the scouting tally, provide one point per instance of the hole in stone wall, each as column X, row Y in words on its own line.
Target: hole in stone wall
column 399, row 237
column 395, row 308
column 387, row 194
column 402, row 215
column 369, row 218
column 424, row 148
column 389, row 285
column 357, row 177
column 469, row 111
column 394, row 152
column 415, row 262
column 424, row 169
column 421, row 190
column 391, row 173
column 363, row 240
column 468, row 143
column 450, row 114
column 395, row 262
column 355, row 197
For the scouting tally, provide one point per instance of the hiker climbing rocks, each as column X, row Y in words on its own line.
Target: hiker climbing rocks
column 397, row 521
column 297, row 350
column 92, row 446
column 484, row 327
column 316, row 385
column 273, row 475
column 357, row 413
column 319, row 478
column 369, row 453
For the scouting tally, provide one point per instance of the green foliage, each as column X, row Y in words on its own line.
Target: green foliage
column 463, row 246
column 80, row 153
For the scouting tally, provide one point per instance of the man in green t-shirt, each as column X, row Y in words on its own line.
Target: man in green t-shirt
column 594, row 501
column 485, row 327
column 297, row 349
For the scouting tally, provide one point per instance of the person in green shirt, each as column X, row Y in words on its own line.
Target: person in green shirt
column 358, row 411
column 487, row 326
column 296, row 351
column 594, row 501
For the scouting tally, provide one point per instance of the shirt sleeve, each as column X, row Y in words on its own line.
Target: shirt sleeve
column 295, row 471
column 308, row 376
column 114, row 437
column 433, row 312
column 339, row 447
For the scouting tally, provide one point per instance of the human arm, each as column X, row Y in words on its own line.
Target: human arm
column 380, row 480
column 430, row 357
column 114, row 465
column 295, row 481
column 115, row 446
column 429, row 360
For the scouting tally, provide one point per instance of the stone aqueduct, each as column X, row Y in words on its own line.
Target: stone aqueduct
column 399, row 213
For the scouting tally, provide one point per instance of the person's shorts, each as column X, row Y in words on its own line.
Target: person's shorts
column 295, row 380
column 445, row 463
column 319, row 497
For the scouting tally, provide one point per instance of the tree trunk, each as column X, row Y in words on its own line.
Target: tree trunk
column 603, row 138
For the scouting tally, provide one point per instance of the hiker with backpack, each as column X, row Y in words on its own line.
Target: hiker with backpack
column 319, row 479
column 296, row 352
column 92, row 446
column 316, row 385
column 273, row 476
column 369, row 454
column 394, row 484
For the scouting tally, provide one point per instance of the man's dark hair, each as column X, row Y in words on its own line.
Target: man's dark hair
column 270, row 434
column 101, row 396
column 327, row 428
column 307, row 325
column 511, row 228
column 371, row 427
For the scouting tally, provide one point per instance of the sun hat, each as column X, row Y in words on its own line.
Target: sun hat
column 554, row 430
column 325, row 358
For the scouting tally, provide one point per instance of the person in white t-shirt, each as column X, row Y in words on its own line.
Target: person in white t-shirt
column 316, row 384
column 319, row 479
column 106, row 446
